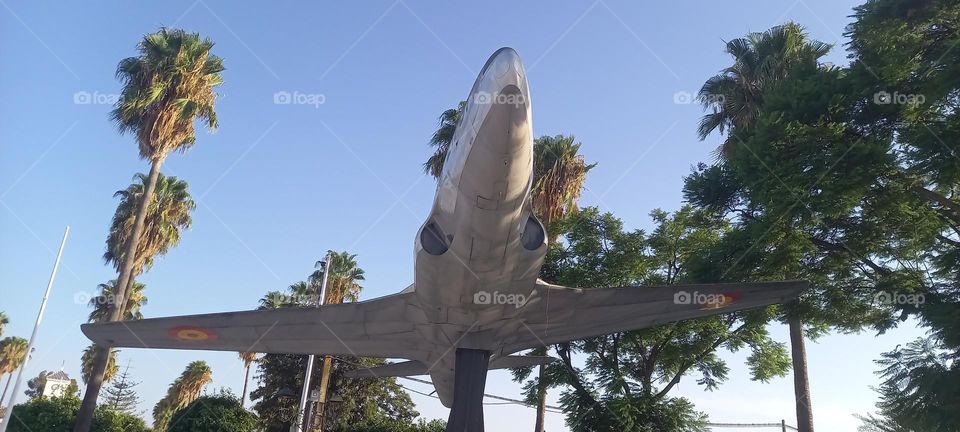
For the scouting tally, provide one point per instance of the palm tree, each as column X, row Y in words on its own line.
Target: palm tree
column 165, row 88
column 197, row 375
column 248, row 359
column 559, row 172
column 86, row 362
column 184, row 390
column 760, row 60
column 100, row 313
column 167, row 216
column 345, row 275
column 442, row 139
column 13, row 351
column 101, row 303
column 3, row 322
column 274, row 300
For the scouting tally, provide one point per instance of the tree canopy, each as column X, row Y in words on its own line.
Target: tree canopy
column 624, row 382
column 216, row 413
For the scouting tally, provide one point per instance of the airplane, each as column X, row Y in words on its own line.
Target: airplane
column 476, row 299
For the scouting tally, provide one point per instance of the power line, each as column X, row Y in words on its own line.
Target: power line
column 509, row 402
column 550, row 408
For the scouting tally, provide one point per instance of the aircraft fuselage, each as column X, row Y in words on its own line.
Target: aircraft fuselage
column 480, row 251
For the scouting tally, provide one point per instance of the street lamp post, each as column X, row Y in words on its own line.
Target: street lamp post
column 300, row 424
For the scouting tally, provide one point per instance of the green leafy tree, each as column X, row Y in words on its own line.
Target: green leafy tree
column 793, row 175
column 13, row 351
column 58, row 414
column 217, row 413
column 43, row 414
column 364, row 399
column 72, row 390
column 627, row 377
column 920, row 389
column 848, row 177
column 36, row 384
column 384, row 425
column 168, row 86
column 108, row 420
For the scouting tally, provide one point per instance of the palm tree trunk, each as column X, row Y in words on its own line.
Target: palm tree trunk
column 101, row 357
column 126, row 295
column 246, row 380
column 541, row 402
column 324, row 384
column 801, row 384
column 5, row 388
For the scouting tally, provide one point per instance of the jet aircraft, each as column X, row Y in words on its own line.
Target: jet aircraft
column 476, row 299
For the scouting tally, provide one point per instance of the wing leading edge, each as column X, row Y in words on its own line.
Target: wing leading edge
column 383, row 327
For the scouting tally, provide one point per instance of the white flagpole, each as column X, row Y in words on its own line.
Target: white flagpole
column 33, row 337
column 299, row 426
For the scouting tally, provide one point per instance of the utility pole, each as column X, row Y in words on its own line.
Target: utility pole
column 324, row 383
column 303, row 417
column 33, row 336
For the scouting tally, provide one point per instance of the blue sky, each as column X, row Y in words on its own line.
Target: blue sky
column 279, row 184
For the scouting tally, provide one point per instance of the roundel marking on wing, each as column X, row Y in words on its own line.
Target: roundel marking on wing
column 720, row 301
column 192, row 333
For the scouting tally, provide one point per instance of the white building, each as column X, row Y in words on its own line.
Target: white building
column 56, row 384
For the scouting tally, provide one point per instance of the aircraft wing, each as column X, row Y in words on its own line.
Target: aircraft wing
column 382, row 327
column 558, row 314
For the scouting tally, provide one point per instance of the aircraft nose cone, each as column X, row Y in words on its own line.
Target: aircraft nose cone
column 505, row 66
column 504, row 61
column 502, row 80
